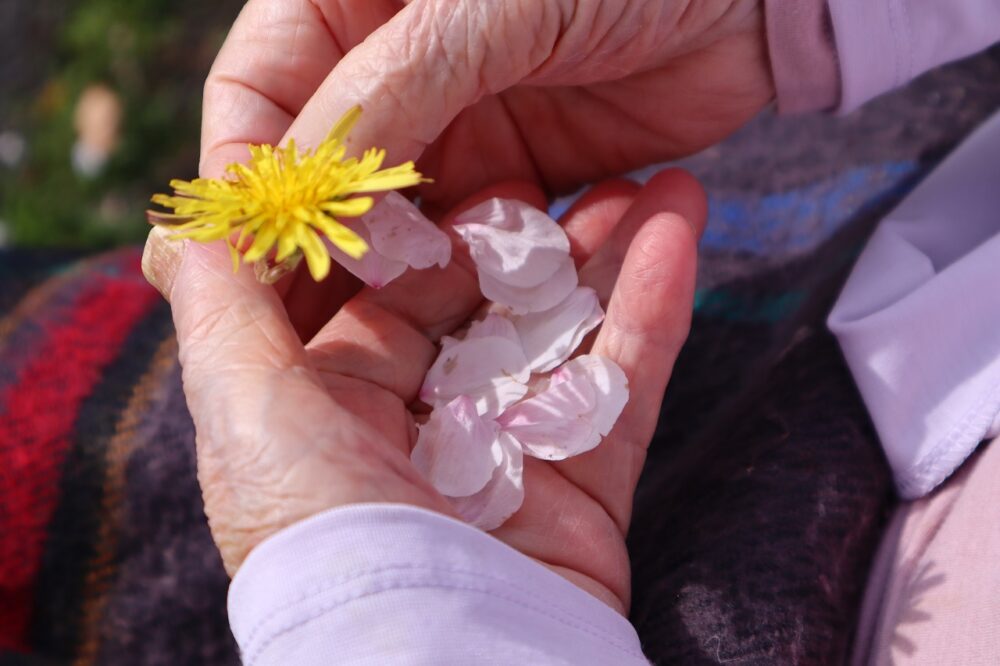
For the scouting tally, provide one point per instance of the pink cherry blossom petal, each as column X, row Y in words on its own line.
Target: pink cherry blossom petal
column 398, row 236
column 399, row 231
column 610, row 387
column 502, row 496
column 493, row 325
column 523, row 300
column 373, row 268
column 456, row 449
column 551, row 336
column 490, row 370
column 513, row 242
column 555, row 423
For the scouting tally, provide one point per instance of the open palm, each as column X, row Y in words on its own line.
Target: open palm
column 286, row 430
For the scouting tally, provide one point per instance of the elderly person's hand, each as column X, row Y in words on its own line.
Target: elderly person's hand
column 556, row 92
column 286, row 430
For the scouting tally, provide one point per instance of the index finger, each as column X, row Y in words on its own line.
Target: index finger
column 430, row 61
column 275, row 57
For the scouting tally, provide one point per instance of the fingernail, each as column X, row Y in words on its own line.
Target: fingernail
column 161, row 259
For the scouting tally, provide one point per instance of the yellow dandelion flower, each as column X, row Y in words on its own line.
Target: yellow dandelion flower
column 285, row 198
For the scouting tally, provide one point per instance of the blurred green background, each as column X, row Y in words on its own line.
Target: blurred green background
column 99, row 107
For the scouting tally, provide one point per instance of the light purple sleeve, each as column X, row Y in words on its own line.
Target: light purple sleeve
column 919, row 318
column 384, row 584
column 883, row 44
column 843, row 53
column 803, row 56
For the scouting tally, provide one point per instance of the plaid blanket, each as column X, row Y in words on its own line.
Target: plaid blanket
column 755, row 520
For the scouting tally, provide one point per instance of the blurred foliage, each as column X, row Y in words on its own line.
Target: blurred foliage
column 154, row 55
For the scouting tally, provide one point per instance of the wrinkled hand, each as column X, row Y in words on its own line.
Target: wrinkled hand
column 556, row 92
column 286, row 430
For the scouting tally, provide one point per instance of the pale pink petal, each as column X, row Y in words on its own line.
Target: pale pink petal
column 456, row 449
column 399, row 231
column 610, row 387
column 493, row 325
column 522, row 300
column 503, row 495
column 492, row 371
column 447, row 342
column 555, row 423
column 550, row 337
column 513, row 242
column 373, row 268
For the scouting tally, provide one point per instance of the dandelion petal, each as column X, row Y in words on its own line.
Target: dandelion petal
column 399, row 231
column 491, row 370
column 550, row 337
column 502, row 496
column 456, row 449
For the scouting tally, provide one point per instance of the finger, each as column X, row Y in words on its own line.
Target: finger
column 236, row 345
column 370, row 335
column 421, row 68
column 671, row 190
column 246, row 378
column 653, row 255
column 593, row 217
column 310, row 304
column 275, row 57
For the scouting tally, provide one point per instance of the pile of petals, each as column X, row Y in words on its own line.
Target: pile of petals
column 508, row 387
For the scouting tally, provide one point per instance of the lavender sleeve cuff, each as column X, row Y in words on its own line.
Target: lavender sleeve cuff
column 919, row 318
column 392, row 584
column 803, row 56
column 883, row 44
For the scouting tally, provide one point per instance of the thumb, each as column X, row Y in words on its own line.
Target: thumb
column 233, row 332
column 420, row 69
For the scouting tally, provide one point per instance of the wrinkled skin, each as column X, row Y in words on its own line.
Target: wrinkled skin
column 286, row 430
column 556, row 92
column 559, row 93
column 552, row 92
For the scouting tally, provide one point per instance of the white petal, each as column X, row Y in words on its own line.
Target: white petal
column 457, row 450
column 373, row 268
column 555, row 424
column 513, row 242
column 492, row 371
column 522, row 300
column 610, row 387
column 400, row 232
column 490, row 508
column 551, row 336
